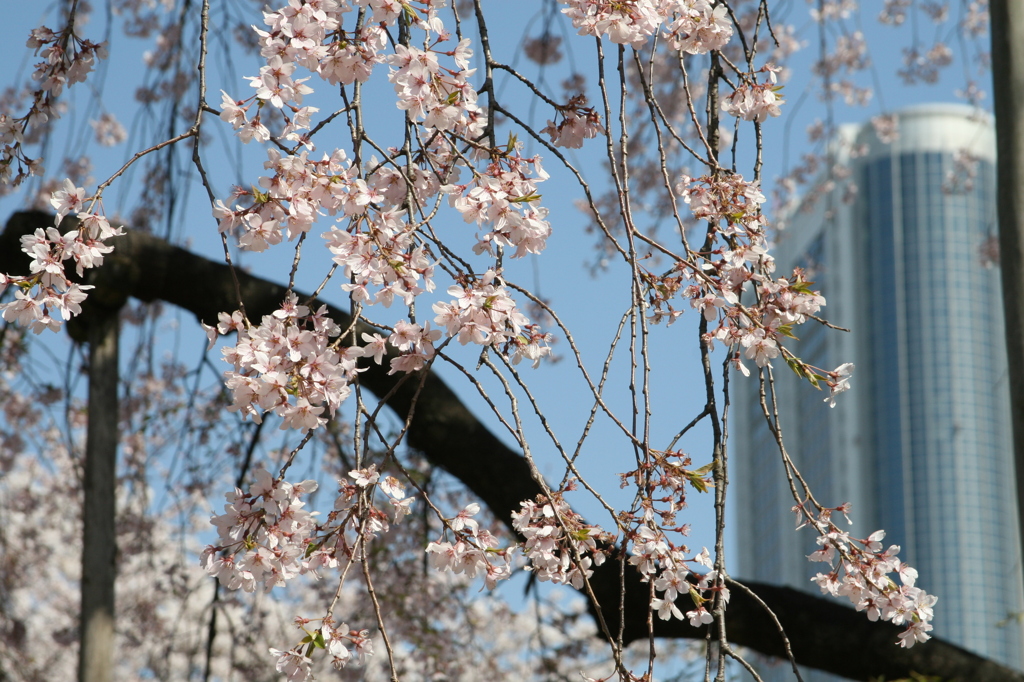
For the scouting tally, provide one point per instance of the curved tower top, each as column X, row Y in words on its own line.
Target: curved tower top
column 940, row 128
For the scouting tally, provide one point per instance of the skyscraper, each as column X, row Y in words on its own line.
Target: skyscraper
column 900, row 243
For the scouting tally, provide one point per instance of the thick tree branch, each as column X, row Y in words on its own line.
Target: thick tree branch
column 824, row 634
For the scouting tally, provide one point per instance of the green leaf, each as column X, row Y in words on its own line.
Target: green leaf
column 697, row 482
column 523, row 200
column 787, row 330
column 706, row 469
column 802, row 286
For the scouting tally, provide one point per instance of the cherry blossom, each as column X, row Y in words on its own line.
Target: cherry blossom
column 699, row 27
column 755, row 101
column 48, row 297
column 860, row 569
column 578, row 123
column 551, row 550
column 287, row 365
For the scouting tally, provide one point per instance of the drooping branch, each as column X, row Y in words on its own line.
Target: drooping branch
column 824, row 634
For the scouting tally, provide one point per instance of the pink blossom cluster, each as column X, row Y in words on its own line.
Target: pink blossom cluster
column 264, row 535
column 665, row 478
column 887, row 127
column 441, row 97
column 961, row 177
column 484, row 313
column 851, row 55
column 474, row 552
column 504, row 196
column 579, row 122
column 627, row 23
column 415, row 342
column 697, row 27
column 860, row 572
column 48, row 297
column 287, row 365
column 310, row 34
column 300, row 190
column 297, row 33
column 925, row 66
column 656, row 559
column 108, row 130
column 731, row 206
column 384, row 262
column 383, row 256
column 267, row 538
column 753, row 101
column 67, row 59
column 700, row 26
column 555, row 536
column 379, row 249
column 894, row 12
column 296, row 663
column 234, row 112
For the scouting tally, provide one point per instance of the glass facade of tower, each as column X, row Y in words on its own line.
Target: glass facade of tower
column 922, row 441
column 937, row 374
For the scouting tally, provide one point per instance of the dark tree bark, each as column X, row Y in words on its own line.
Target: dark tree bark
column 1007, row 31
column 99, row 542
column 824, row 634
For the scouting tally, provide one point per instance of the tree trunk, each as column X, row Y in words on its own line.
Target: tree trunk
column 1007, row 21
column 99, row 548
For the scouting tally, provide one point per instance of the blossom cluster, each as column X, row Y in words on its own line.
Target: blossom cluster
column 753, row 101
column 287, row 365
column 381, row 250
column 384, row 258
column 860, row 572
column 560, row 546
column 700, row 26
column 694, row 26
column 312, row 35
column 484, row 313
column 666, row 479
column 504, row 195
column 441, row 97
column 579, row 122
column 263, row 534
column 48, row 297
column 267, row 537
column 67, row 60
column 732, row 208
column 296, row 663
column 656, row 559
column 474, row 552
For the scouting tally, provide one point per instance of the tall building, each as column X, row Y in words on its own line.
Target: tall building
column 901, row 248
